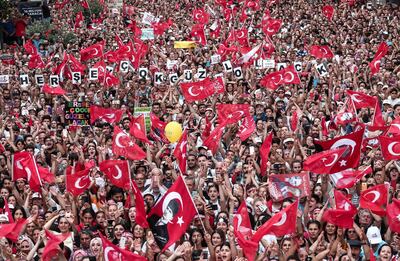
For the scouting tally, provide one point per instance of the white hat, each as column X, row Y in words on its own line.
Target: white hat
column 374, row 235
column 288, row 140
column 36, row 195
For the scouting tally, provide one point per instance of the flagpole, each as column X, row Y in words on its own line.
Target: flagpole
column 191, row 198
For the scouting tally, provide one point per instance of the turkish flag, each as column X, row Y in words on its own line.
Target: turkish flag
column 53, row 90
column 197, row 91
column 117, row 172
column 348, row 178
column 350, row 158
column 232, row 113
column 84, row 4
column 124, row 146
column 287, row 75
column 160, row 28
column 24, row 166
column 390, row 147
column 93, row 51
column 382, row 50
column 107, row 114
column 212, row 142
column 79, row 20
column 75, row 65
column 321, row 51
column 253, row 4
column 323, row 162
column 375, row 66
column 339, row 217
column 207, row 130
column 375, row 199
column 137, row 128
column 264, row 153
column 52, row 247
column 342, row 202
column 36, row 62
column 328, row 11
column 111, row 80
column 30, row 48
column 198, row 33
column 224, row 50
column 200, row 16
column 180, row 152
column 248, row 56
column 158, row 129
column 243, row 233
column 112, row 252
column 283, row 186
column 346, row 114
column 242, row 36
column 294, row 121
column 394, row 127
column 393, row 214
column 45, row 174
column 247, row 128
column 378, row 120
column 79, row 182
column 172, row 214
column 361, row 100
column 140, row 208
column 13, row 230
column 281, row 224
column 271, row 26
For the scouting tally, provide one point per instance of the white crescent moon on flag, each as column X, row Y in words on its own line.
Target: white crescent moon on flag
column 109, row 115
column 169, row 197
column 390, row 148
column 354, row 97
column 343, row 142
column 333, row 161
column 190, row 91
column 18, row 164
column 119, row 135
column 28, row 173
column 376, row 195
column 106, row 251
column 241, row 34
column 78, row 183
column 282, row 220
column 119, row 172
column 280, row 79
column 377, row 64
column 292, row 76
column 183, row 144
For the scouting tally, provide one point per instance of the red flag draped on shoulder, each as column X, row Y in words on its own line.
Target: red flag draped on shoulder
column 107, row 114
column 350, row 158
column 375, row 199
column 282, row 223
column 264, row 153
column 117, row 171
column 172, row 215
column 322, row 162
column 124, row 146
column 180, row 152
column 390, row 147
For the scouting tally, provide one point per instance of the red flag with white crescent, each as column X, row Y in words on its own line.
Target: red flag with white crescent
column 78, row 183
column 375, row 199
column 390, row 147
column 93, row 51
column 107, row 114
column 117, row 172
column 180, row 152
column 124, row 146
column 325, row 161
column 172, row 214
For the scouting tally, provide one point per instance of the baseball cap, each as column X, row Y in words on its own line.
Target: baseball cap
column 374, row 235
column 36, row 195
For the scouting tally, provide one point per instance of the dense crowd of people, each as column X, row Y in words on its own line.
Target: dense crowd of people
column 219, row 180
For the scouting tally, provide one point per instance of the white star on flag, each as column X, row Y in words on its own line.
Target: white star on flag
column 180, row 221
column 343, row 163
column 398, row 217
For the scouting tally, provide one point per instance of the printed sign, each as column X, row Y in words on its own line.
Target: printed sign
column 146, row 112
column 77, row 113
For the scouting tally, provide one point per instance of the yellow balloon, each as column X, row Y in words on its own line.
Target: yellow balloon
column 173, row 131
